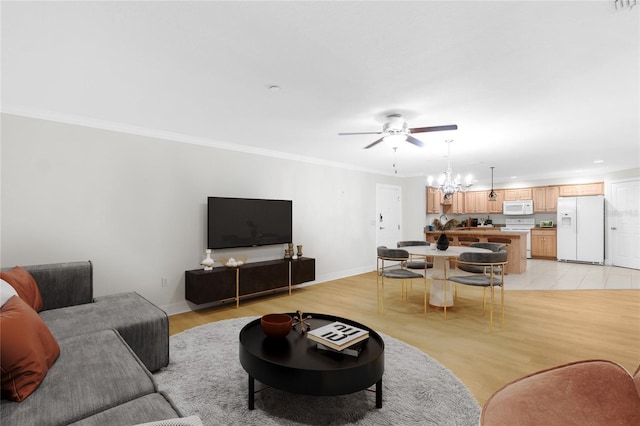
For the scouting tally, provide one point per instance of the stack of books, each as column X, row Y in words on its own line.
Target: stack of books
column 339, row 337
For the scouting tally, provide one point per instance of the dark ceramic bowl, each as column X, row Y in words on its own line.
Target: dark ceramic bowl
column 276, row 325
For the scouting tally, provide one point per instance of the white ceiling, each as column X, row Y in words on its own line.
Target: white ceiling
column 538, row 89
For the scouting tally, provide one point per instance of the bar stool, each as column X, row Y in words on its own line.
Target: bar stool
column 466, row 241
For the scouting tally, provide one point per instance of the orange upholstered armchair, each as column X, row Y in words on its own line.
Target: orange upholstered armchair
column 582, row 393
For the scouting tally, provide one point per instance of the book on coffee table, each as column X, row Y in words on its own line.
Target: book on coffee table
column 338, row 335
column 353, row 350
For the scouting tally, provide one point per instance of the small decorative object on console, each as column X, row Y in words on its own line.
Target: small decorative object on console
column 299, row 251
column 208, row 261
column 338, row 335
column 276, row 325
column 233, row 262
column 302, row 320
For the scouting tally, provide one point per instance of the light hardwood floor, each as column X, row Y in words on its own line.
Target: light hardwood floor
column 543, row 328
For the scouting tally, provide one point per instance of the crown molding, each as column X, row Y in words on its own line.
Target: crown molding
column 84, row 121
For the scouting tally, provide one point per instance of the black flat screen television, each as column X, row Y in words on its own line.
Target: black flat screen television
column 248, row 222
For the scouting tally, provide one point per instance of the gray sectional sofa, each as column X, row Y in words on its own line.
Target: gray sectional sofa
column 108, row 348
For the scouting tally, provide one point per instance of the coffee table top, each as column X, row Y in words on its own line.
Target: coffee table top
column 294, row 364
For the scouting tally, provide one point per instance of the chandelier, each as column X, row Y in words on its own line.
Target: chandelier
column 446, row 183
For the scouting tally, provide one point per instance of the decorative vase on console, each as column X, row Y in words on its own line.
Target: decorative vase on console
column 443, row 242
column 208, row 261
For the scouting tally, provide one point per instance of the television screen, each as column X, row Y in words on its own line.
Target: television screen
column 247, row 222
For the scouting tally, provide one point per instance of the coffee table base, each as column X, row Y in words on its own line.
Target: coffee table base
column 252, row 393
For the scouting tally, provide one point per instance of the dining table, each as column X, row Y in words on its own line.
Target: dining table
column 441, row 294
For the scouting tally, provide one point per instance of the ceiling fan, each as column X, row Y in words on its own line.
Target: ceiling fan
column 397, row 126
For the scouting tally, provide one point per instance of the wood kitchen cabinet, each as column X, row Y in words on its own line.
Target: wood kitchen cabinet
column 496, row 206
column 476, row 202
column 455, row 205
column 545, row 199
column 434, row 199
column 518, row 194
column 544, row 243
column 596, row 188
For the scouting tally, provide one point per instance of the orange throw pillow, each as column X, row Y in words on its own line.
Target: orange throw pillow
column 24, row 284
column 27, row 349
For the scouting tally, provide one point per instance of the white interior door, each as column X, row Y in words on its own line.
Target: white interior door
column 624, row 223
column 388, row 215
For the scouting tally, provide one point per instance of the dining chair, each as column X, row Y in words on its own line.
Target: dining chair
column 475, row 269
column 412, row 263
column 492, row 265
column 396, row 272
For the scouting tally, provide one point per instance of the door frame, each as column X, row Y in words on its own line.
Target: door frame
column 609, row 220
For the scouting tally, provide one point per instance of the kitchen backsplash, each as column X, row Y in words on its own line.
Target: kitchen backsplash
column 497, row 219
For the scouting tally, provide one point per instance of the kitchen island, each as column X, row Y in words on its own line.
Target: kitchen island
column 516, row 250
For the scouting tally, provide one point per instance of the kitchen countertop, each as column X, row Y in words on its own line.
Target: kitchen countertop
column 516, row 250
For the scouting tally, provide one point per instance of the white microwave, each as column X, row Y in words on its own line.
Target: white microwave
column 517, row 208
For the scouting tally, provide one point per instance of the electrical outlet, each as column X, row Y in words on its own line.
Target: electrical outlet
column 164, row 282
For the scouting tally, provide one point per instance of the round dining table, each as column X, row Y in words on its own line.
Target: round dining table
column 441, row 294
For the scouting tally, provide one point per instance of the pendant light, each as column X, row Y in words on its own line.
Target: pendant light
column 492, row 194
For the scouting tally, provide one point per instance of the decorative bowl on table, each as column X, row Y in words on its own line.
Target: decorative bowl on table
column 276, row 325
column 233, row 262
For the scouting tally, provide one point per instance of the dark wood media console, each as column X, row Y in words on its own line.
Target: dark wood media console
column 222, row 283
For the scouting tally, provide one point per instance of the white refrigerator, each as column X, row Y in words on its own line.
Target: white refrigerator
column 581, row 229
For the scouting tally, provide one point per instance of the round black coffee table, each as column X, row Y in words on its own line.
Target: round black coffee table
column 294, row 364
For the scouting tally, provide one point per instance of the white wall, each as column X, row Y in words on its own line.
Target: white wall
column 414, row 207
column 136, row 205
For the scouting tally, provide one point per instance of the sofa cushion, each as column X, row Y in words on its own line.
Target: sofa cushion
column 147, row 408
column 144, row 326
column 27, row 349
column 6, row 292
column 94, row 372
column 25, row 286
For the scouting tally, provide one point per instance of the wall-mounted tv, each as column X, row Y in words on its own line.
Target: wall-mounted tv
column 248, row 222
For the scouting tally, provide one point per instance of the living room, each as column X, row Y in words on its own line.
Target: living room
column 128, row 190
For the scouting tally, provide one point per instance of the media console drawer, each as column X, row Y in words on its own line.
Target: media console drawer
column 222, row 283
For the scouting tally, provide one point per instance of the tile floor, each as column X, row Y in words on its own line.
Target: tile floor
column 553, row 275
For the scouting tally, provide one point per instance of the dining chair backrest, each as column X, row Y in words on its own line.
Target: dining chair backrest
column 495, row 247
column 392, row 254
column 485, row 258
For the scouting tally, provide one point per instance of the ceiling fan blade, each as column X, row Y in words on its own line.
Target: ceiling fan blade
column 359, row 133
column 414, row 141
column 434, row 128
column 375, row 143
